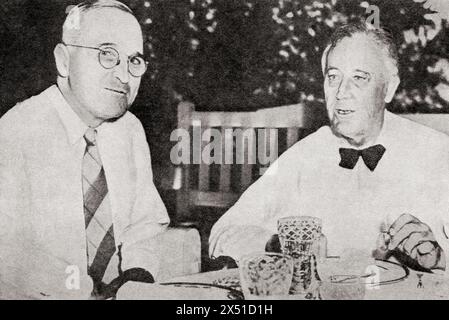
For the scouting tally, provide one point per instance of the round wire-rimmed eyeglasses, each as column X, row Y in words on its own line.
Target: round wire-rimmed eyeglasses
column 109, row 57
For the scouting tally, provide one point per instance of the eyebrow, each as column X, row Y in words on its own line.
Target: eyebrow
column 138, row 54
column 363, row 71
column 330, row 68
column 107, row 44
column 356, row 70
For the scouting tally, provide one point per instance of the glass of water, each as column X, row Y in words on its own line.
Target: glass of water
column 265, row 275
column 300, row 238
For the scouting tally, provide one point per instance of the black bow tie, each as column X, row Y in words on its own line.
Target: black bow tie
column 370, row 156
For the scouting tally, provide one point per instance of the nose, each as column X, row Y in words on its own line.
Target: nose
column 344, row 89
column 121, row 71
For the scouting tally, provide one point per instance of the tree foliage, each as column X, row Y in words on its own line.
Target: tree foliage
column 247, row 54
column 234, row 54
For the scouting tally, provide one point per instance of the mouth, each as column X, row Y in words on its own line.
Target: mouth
column 118, row 91
column 344, row 112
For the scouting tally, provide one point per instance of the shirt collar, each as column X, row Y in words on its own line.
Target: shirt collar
column 74, row 126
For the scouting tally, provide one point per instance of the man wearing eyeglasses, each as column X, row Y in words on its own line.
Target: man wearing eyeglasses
column 78, row 208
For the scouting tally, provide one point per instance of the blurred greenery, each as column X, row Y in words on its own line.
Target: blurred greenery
column 234, row 54
column 248, row 54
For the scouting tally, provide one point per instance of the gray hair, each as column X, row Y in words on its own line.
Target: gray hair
column 71, row 28
column 381, row 37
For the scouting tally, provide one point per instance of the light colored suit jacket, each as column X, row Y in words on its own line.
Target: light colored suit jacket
column 42, row 228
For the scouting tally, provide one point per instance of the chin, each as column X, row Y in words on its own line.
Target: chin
column 346, row 130
column 112, row 116
column 119, row 114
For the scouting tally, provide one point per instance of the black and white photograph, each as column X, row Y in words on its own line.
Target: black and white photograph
column 226, row 150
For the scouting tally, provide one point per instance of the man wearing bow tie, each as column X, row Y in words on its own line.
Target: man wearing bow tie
column 378, row 182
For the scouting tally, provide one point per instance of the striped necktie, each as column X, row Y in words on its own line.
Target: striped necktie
column 102, row 262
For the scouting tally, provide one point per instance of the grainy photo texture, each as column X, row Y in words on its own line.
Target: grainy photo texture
column 224, row 150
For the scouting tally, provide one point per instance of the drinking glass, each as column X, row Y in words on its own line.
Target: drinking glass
column 300, row 237
column 299, row 228
column 265, row 275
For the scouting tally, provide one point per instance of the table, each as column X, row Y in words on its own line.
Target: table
column 434, row 287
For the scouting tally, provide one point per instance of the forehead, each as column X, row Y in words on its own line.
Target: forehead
column 111, row 25
column 356, row 52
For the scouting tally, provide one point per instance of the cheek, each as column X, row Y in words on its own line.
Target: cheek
column 86, row 67
column 82, row 86
column 134, row 87
column 373, row 102
column 330, row 97
column 89, row 82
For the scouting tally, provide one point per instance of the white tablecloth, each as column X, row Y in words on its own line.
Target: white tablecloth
column 433, row 287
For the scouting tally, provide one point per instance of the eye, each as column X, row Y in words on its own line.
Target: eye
column 359, row 78
column 137, row 61
column 108, row 54
column 333, row 78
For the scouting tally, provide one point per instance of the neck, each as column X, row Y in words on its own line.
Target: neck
column 360, row 142
column 366, row 138
column 81, row 112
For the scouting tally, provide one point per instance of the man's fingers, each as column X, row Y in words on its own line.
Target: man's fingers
column 381, row 251
column 429, row 255
column 400, row 222
column 416, row 241
column 406, row 231
column 382, row 241
column 222, row 262
column 426, row 247
column 428, row 261
column 408, row 246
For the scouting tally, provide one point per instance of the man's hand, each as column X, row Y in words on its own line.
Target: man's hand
column 221, row 262
column 108, row 291
column 414, row 239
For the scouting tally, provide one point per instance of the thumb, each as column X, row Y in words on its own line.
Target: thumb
column 381, row 251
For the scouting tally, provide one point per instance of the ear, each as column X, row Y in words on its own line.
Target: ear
column 324, row 59
column 62, row 58
column 393, row 84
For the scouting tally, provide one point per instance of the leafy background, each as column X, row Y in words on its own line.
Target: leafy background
column 240, row 54
column 230, row 54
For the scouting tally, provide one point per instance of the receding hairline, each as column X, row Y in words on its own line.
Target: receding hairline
column 362, row 37
column 87, row 6
column 389, row 62
column 79, row 14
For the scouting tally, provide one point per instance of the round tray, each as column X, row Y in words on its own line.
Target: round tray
column 230, row 292
column 386, row 272
column 389, row 272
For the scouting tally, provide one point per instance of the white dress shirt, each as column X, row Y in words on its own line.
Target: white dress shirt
column 354, row 205
column 42, row 228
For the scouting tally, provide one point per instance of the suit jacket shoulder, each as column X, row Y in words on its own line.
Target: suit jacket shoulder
column 26, row 117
